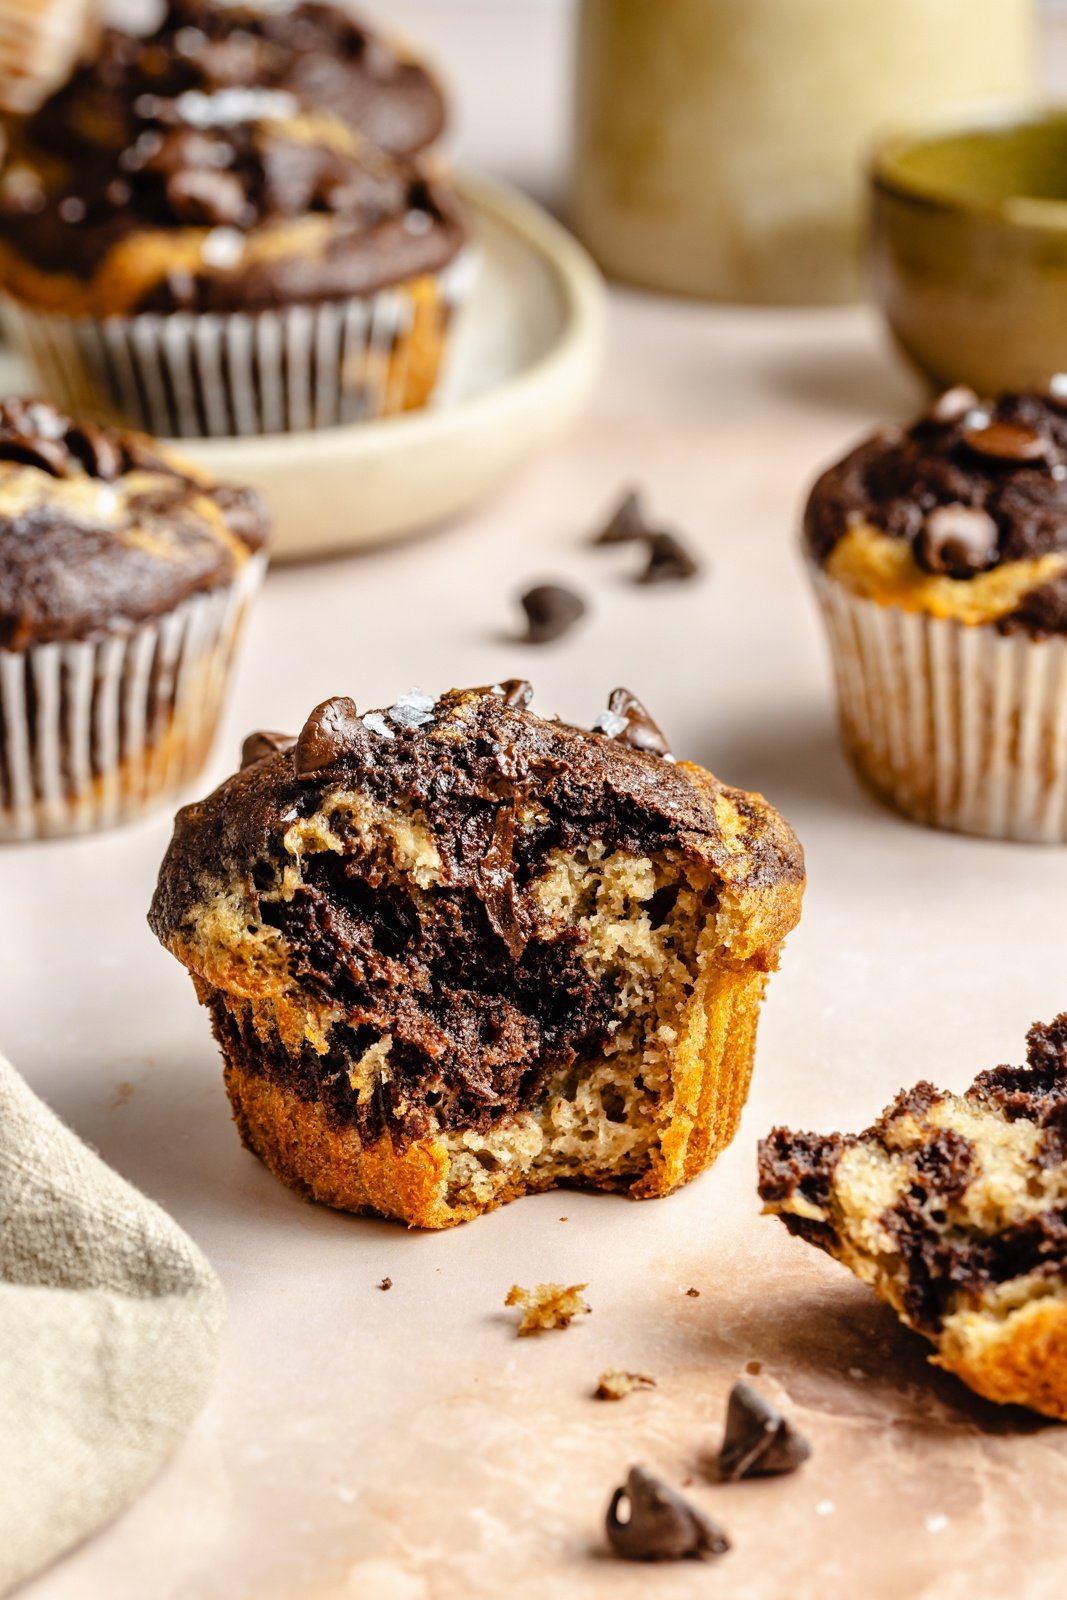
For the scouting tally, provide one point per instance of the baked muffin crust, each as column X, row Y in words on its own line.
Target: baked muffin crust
column 963, row 514
column 101, row 530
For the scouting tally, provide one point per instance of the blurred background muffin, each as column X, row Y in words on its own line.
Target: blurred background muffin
column 210, row 230
column 124, row 581
column 939, row 558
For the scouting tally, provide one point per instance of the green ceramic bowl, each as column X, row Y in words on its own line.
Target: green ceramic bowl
column 969, row 250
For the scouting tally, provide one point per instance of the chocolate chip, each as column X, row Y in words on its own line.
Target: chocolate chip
column 259, row 745
column 640, row 732
column 205, row 197
column 626, row 522
column 551, row 610
column 958, row 540
column 758, row 1439
column 332, row 728
column 386, row 1283
column 99, row 454
column 517, row 693
column 662, row 1525
column 952, row 406
column 1011, row 442
column 668, row 561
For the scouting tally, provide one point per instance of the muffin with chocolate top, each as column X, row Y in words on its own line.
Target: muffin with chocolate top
column 953, row 1208
column 455, row 952
column 199, row 239
column 124, row 579
column 939, row 557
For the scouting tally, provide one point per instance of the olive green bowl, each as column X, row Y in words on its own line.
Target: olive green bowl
column 969, row 250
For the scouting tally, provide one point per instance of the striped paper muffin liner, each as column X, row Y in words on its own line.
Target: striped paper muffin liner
column 957, row 726
column 219, row 374
column 94, row 733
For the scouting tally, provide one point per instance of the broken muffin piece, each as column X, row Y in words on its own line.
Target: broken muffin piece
column 954, row 1209
column 455, row 952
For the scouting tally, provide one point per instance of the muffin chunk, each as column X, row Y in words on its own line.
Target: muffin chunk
column 954, row 1209
column 455, row 952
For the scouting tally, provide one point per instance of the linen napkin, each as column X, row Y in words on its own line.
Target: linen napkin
column 109, row 1330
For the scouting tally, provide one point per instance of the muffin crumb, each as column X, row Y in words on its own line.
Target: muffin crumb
column 615, row 1384
column 547, row 1306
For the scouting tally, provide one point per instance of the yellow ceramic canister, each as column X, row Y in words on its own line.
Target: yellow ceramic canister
column 720, row 145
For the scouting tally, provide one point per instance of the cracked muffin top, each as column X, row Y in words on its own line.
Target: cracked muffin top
column 101, row 530
column 963, row 514
column 216, row 166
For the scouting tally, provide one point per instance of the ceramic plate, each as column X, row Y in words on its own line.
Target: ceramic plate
column 524, row 357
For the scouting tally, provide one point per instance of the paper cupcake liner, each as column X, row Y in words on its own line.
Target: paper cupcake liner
column 957, row 726
column 93, row 733
column 218, row 374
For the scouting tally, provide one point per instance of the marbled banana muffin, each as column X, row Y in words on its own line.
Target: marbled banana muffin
column 455, row 952
column 190, row 249
column 124, row 578
column 939, row 556
column 954, row 1209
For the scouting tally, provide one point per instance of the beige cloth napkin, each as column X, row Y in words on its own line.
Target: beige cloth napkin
column 109, row 1330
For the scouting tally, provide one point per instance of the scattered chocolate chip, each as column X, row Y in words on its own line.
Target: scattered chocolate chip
column 261, row 744
column 668, row 561
column 758, row 1440
column 952, row 406
column 551, row 611
column 694, row 1294
column 1007, row 441
column 330, row 730
column 386, row 1283
column 615, row 1384
column 661, row 1525
column 626, row 522
column 958, row 540
column 517, row 692
column 639, row 731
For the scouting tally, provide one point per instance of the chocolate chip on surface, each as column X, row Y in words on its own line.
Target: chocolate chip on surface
column 626, row 522
column 1011, row 442
column 668, row 561
column 758, row 1441
column 957, row 540
column 261, row 744
column 626, row 721
column 516, row 692
column 661, row 1525
column 331, row 729
column 551, row 611
column 386, row 1283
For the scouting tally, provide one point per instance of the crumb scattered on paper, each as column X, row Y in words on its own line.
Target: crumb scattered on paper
column 694, row 1294
column 615, row 1384
column 386, row 1283
column 549, row 1305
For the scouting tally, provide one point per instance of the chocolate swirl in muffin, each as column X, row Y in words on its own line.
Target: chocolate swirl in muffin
column 971, row 486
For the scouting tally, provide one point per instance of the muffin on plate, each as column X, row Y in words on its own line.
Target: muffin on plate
column 222, row 259
column 939, row 557
column 455, row 952
column 954, row 1209
column 124, row 580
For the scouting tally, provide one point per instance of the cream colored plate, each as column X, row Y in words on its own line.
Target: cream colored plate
column 526, row 352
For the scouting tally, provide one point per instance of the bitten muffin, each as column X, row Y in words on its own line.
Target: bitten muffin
column 954, row 1209
column 939, row 557
column 225, row 257
column 455, row 952
column 124, row 580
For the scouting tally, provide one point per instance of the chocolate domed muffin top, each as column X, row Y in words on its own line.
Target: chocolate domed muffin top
column 969, row 488
column 204, row 170
column 102, row 530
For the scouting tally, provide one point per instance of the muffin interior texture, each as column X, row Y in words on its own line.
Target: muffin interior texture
column 520, row 978
column 954, row 1209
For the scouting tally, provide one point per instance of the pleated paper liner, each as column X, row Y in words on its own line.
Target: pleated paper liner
column 93, row 734
column 219, row 374
column 956, row 726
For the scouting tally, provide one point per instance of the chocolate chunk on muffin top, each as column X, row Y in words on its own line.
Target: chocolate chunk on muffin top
column 964, row 513
column 101, row 530
column 164, row 178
